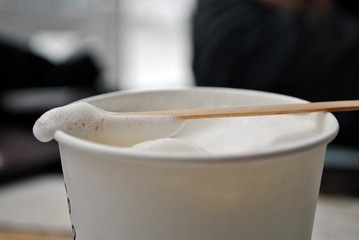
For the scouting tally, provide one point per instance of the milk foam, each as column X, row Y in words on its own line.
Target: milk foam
column 88, row 122
column 150, row 133
column 170, row 145
column 248, row 134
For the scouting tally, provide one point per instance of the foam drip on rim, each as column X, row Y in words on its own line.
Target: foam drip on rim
column 91, row 123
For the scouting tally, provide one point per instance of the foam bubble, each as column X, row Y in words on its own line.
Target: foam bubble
column 91, row 123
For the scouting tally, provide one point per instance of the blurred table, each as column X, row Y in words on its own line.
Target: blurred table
column 36, row 209
column 16, row 235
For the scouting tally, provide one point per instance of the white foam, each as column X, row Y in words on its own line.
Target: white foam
column 170, row 145
column 214, row 136
column 88, row 122
column 248, row 134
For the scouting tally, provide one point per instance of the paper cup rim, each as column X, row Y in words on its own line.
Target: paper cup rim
column 70, row 141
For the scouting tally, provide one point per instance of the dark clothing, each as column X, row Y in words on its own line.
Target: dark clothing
column 246, row 44
column 20, row 68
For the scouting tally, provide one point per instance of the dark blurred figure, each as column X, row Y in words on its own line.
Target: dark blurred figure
column 20, row 68
column 22, row 71
column 304, row 48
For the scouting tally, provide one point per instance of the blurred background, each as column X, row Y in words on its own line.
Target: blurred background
column 54, row 52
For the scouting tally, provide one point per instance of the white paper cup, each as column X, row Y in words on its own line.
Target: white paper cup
column 264, row 194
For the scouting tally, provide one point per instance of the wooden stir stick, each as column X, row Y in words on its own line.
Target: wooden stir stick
column 186, row 114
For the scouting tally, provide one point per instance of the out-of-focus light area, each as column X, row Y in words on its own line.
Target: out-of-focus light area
column 136, row 44
column 155, row 44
